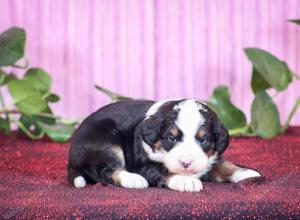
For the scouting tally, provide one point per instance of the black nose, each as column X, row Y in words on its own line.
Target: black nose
column 185, row 164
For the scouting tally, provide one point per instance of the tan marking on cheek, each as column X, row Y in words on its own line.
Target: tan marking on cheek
column 210, row 153
column 201, row 133
column 223, row 171
column 174, row 131
column 157, row 145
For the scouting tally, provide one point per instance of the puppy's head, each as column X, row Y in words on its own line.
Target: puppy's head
column 185, row 135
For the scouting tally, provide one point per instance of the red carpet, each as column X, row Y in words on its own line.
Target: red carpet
column 33, row 184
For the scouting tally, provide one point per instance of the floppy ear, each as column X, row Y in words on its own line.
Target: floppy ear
column 151, row 129
column 221, row 135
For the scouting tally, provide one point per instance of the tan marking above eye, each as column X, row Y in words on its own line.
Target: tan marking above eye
column 174, row 131
column 201, row 133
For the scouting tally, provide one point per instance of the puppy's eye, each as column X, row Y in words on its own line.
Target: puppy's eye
column 172, row 139
column 203, row 139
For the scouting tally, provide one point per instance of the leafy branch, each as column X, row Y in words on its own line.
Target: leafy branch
column 31, row 94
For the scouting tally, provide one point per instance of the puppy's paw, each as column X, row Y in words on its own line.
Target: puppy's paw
column 242, row 174
column 184, row 183
column 79, row 182
column 132, row 180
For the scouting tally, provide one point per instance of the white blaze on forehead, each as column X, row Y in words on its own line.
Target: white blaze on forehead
column 155, row 107
column 189, row 118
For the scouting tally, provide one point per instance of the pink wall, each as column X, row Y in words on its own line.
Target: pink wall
column 154, row 49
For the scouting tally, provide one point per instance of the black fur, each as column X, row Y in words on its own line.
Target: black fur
column 124, row 124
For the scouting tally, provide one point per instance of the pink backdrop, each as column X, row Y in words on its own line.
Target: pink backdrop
column 154, row 49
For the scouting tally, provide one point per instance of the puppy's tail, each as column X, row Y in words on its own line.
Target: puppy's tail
column 76, row 177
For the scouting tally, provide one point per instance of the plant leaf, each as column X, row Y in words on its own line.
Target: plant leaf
column 258, row 82
column 265, row 120
column 12, row 43
column 25, row 97
column 30, row 121
column 112, row 95
column 39, row 79
column 230, row 115
column 296, row 21
column 52, row 98
column 4, row 125
column 58, row 132
column 273, row 70
column 5, row 78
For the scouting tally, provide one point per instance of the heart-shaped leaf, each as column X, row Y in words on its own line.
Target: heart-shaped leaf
column 258, row 82
column 39, row 79
column 25, row 97
column 230, row 115
column 12, row 43
column 265, row 120
column 58, row 132
column 273, row 70
column 4, row 125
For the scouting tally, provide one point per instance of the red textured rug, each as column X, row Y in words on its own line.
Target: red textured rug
column 33, row 184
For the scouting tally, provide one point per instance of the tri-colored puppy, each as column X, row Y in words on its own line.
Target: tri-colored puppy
column 138, row 143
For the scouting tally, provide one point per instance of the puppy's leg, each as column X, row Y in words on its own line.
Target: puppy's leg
column 76, row 177
column 228, row 172
column 126, row 179
column 122, row 177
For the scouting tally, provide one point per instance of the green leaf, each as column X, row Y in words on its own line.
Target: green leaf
column 25, row 97
column 39, row 79
column 230, row 115
column 4, row 125
column 30, row 121
column 12, row 43
column 296, row 21
column 58, row 132
column 52, row 98
column 273, row 70
column 112, row 95
column 5, row 78
column 265, row 120
column 258, row 82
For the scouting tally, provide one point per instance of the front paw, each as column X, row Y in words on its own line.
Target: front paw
column 184, row 183
column 242, row 174
column 132, row 180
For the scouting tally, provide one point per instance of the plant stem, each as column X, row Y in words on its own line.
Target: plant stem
column 3, row 104
column 296, row 76
column 2, row 100
column 27, row 132
column 292, row 113
column 6, row 111
column 241, row 131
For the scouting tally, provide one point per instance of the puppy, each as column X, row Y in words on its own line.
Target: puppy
column 139, row 143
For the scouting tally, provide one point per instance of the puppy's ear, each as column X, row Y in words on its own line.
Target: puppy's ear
column 151, row 129
column 221, row 136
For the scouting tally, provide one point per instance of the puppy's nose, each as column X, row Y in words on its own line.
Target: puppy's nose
column 185, row 164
